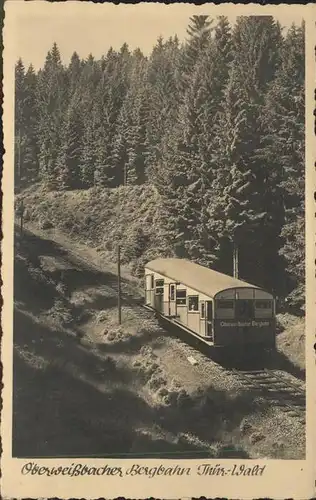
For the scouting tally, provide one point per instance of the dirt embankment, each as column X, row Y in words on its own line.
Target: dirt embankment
column 107, row 389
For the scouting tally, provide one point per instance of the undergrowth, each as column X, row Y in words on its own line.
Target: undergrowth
column 102, row 218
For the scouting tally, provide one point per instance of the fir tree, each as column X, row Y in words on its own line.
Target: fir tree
column 131, row 146
column 283, row 151
column 244, row 209
column 26, row 151
column 51, row 106
column 30, row 155
column 19, row 122
column 68, row 159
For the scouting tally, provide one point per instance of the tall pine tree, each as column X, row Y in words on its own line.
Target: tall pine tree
column 51, row 106
column 283, row 151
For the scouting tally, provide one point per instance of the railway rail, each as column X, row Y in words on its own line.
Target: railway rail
column 268, row 383
column 275, row 388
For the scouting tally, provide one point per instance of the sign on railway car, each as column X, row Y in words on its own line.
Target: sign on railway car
column 258, row 324
column 154, row 305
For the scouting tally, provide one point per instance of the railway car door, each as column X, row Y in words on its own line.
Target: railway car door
column 172, row 299
column 149, row 290
column 202, row 319
column 244, row 311
column 209, row 319
column 159, row 294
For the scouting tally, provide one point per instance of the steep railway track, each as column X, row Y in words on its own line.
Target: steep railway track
column 268, row 383
column 275, row 388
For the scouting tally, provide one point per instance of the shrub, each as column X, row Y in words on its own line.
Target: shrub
column 162, row 392
column 46, row 224
column 156, row 382
column 61, row 313
column 61, row 288
column 256, row 437
column 110, row 336
column 102, row 316
column 245, row 426
column 146, row 350
column 279, row 327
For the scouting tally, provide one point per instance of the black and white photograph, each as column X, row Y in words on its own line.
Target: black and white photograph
column 158, row 220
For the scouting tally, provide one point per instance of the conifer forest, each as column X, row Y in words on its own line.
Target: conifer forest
column 214, row 125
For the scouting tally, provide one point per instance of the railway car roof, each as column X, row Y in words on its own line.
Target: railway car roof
column 195, row 276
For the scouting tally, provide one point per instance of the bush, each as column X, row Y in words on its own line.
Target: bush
column 245, row 426
column 256, row 437
column 46, row 224
column 146, row 350
column 156, row 382
column 102, row 316
column 61, row 312
column 162, row 392
column 61, row 288
column 117, row 336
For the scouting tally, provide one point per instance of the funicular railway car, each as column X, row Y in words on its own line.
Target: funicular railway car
column 221, row 310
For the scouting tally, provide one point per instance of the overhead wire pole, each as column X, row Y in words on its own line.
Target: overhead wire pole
column 235, row 260
column 236, row 263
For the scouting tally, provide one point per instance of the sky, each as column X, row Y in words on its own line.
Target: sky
column 84, row 27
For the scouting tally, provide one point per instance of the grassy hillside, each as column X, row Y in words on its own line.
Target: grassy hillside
column 291, row 340
column 100, row 388
column 101, row 218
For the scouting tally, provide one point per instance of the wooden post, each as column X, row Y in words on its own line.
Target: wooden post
column 119, row 284
column 125, row 175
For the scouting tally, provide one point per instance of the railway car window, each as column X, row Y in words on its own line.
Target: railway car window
column 244, row 309
column 172, row 290
column 181, row 297
column 202, row 310
column 225, row 304
column 209, row 311
column 263, row 304
column 193, row 303
column 152, row 282
column 159, row 287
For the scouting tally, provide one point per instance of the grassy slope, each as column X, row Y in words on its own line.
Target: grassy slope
column 103, row 217
column 91, row 386
column 291, row 341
